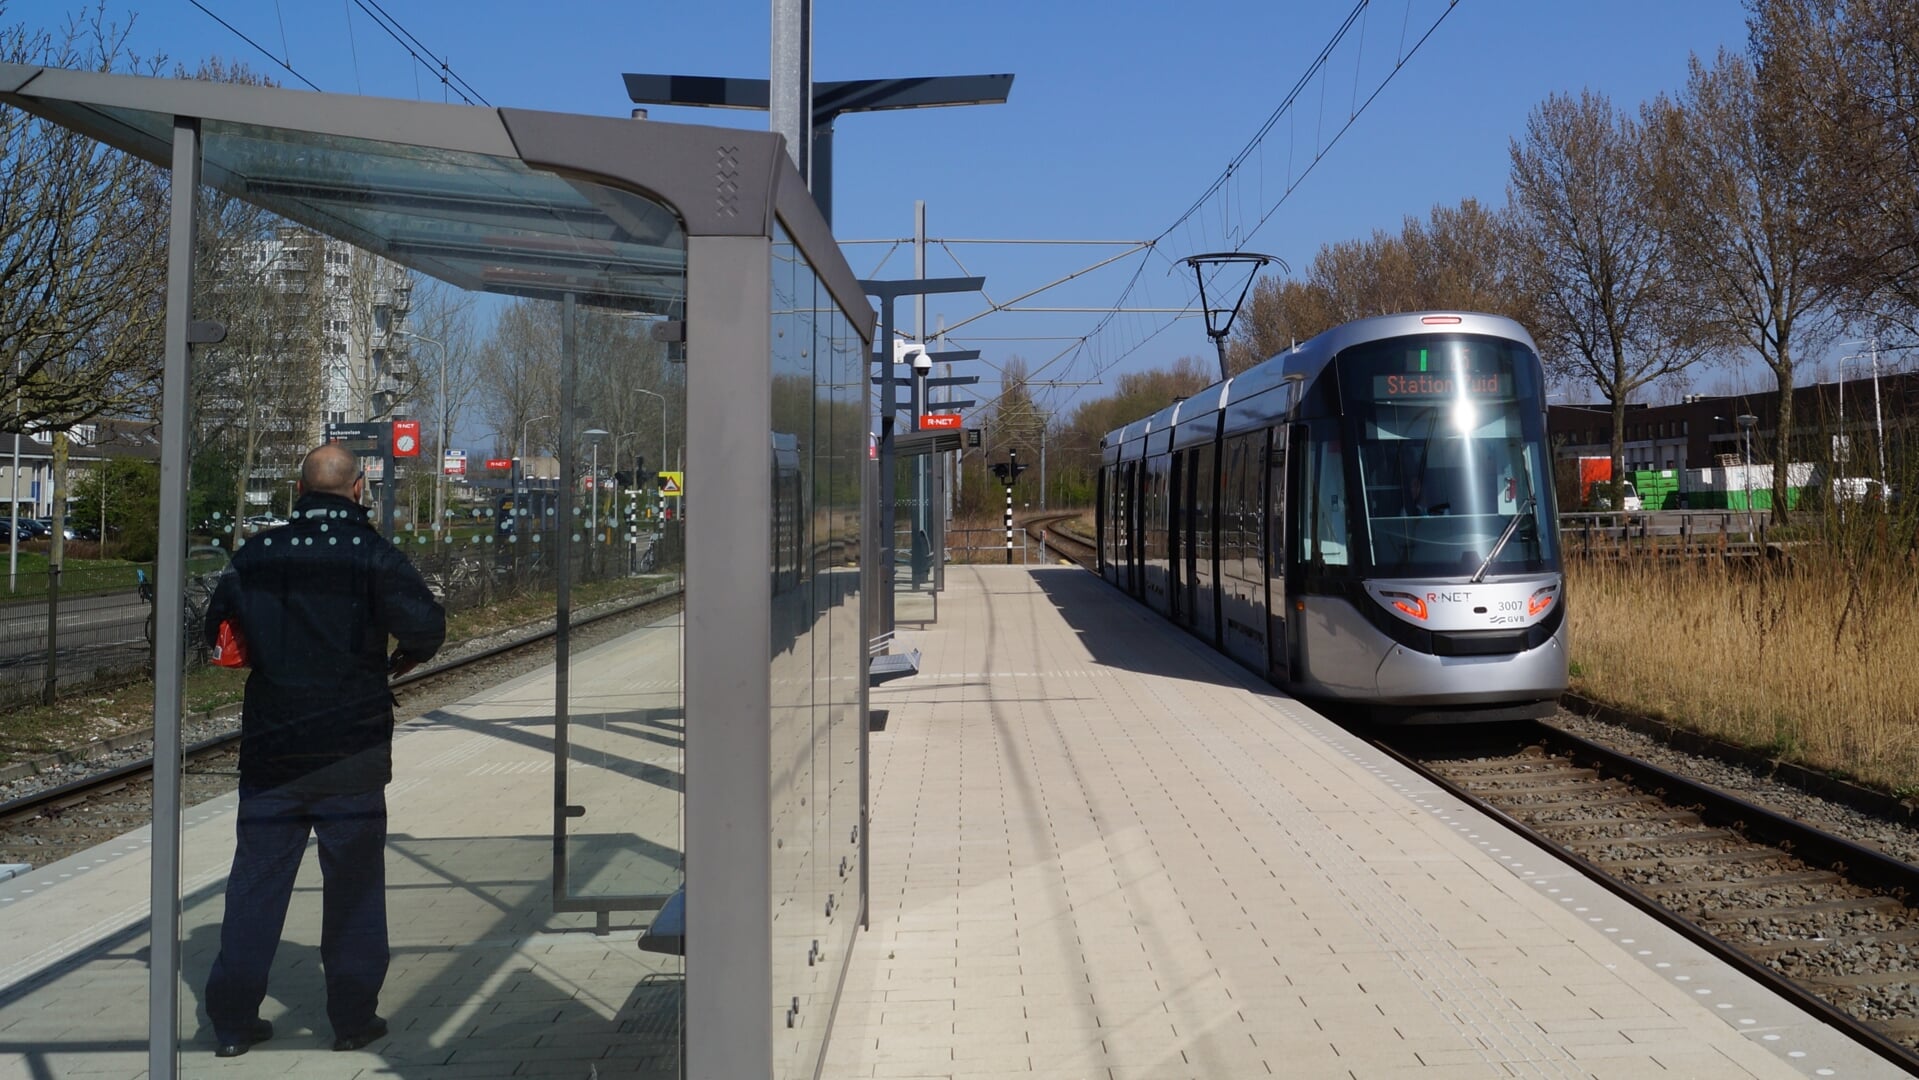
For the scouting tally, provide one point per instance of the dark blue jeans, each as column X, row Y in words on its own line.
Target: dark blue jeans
column 273, row 828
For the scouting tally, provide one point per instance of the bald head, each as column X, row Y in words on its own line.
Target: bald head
column 331, row 469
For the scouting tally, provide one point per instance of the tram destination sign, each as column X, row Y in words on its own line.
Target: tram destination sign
column 1431, row 385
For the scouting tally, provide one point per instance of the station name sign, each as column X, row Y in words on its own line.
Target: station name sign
column 1426, row 385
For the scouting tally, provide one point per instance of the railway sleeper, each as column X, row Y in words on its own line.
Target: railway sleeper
column 1853, row 905
column 1699, row 837
column 1862, row 981
column 1534, row 785
column 1460, row 770
column 1756, row 854
column 1603, row 794
column 1528, row 770
column 1808, row 877
column 1678, row 817
column 1775, row 948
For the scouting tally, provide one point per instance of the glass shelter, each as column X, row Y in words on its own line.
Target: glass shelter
column 641, row 854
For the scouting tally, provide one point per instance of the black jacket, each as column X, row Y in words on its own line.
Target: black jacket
column 315, row 601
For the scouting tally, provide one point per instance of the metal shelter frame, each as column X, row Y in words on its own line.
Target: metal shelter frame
column 476, row 197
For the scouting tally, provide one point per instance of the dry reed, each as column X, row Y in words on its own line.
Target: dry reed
column 1812, row 657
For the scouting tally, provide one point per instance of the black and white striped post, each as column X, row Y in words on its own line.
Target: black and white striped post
column 1008, row 471
column 1009, row 524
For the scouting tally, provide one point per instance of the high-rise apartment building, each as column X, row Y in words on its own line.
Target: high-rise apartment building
column 311, row 339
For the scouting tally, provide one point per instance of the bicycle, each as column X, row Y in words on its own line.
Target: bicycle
column 199, row 596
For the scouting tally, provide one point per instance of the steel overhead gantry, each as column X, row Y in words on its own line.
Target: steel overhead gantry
column 830, row 100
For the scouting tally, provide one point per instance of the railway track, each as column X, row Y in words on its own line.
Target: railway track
column 47, row 825
column 1060, row 538
column 1818, row 918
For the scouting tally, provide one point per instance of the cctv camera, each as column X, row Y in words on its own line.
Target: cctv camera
column 922, row 363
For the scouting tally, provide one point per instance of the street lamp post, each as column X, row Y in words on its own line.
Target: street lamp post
column 439, row 475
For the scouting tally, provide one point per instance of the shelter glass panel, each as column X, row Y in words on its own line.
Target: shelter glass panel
column 484, row 882
column 818, row 449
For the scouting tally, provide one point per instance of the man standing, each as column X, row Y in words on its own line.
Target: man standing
column 314, row 602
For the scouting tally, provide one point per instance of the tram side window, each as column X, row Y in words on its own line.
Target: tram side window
column 1323, row 533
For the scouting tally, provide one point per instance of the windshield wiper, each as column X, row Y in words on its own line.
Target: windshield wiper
column 1511, row 527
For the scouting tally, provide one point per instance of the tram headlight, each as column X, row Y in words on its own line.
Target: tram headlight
column 1408, row 603
column 1541, row 600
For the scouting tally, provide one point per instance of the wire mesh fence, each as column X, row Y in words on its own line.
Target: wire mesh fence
column 96, row 622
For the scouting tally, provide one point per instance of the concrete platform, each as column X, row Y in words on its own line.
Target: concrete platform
column 1100, row 849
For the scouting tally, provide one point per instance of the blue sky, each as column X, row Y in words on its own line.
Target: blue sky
column 1121, row 115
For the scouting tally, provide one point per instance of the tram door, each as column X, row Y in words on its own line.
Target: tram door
column 1176, row 541
column 1278, row 603
column 1127, row 517
column 1188, row 524
column 1101, row 559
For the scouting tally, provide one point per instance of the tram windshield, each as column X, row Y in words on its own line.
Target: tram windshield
column 1449, row 436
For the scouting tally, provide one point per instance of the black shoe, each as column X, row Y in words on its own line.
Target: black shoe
column 260, row 1031
column 375, row 1030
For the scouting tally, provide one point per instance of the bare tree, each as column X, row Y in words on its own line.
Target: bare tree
column 1730, row 192
column 1842, row 78
column 1459, row 259
column 1592, row 258
column 82, row 269
column 260, row 391
column 519, row 363
column 448, row 376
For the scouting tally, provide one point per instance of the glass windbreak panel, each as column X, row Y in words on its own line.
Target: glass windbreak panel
column 914, row 569
column 817, row 447
column 1450, row 445
column 482, row 886
column 624, row 727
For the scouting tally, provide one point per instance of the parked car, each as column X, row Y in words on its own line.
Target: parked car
column 45, row 524
column 32, row 529
column 259, row 522
column 1629, row 496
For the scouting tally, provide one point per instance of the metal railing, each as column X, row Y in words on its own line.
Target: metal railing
column 987, row 545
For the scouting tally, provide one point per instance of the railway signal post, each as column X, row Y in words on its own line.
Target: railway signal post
column 1008, row 471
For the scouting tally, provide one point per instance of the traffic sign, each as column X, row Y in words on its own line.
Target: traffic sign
column 454, row 463
column 406, row 438
column 672, row 483
column 935, row 421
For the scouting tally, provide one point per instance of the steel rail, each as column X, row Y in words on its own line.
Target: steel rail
column 1804, row 839
column 25, row 805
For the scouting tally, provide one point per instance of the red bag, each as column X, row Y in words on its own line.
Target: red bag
column 229, row 648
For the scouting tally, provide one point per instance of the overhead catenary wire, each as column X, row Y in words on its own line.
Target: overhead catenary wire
column 1237, row 233
column 263, row 50
column 414, row 47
